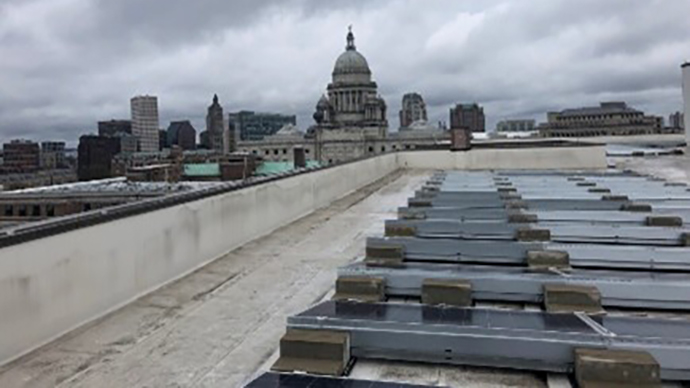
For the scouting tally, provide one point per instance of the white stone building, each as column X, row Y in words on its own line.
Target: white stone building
column 145, row 122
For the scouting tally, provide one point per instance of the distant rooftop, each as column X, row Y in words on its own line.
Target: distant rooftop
column 603, row 108
column 270, row 168
column 202, row 169
column 117, row 185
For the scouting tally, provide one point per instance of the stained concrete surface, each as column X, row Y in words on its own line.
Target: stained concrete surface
column 672, row 168
column 219, row 325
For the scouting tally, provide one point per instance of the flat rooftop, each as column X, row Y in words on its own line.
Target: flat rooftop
column 220, row 326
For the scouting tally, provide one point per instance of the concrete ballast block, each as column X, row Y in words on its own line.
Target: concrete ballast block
column 400, row 230
column 614, row 197
column 385, row 251
column 321, row 352
column 516, row 205
column 542, row 260
column 419, row 202
column 360, row 288
column 407, row 213
column 510, row 196
column 521, row 218
column 668, row 221
column 636, row 207
column 385, row 255
column 685, row 239
column 431, row 188
column 567, row 298
column 599, row 190
column 616, row 368
column 529, row 234
column 451, row 292
column 426, row 194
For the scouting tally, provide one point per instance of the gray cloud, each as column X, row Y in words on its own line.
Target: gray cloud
column 69, row 63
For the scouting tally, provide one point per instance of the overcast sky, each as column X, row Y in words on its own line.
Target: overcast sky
column 65, row 64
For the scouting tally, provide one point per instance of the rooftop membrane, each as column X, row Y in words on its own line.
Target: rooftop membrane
column 418, row 308
column 221, row 325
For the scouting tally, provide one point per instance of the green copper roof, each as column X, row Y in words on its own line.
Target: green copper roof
column 270, row 168
column 202, row 169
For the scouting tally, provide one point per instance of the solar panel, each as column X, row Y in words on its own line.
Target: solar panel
column 433, row 315
column 287, row 380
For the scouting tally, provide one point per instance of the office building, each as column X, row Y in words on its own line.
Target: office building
column 129, row 143
column 162, row 140
column 113, row 127
column 686, row 100
column 52, row 155
column 676, row 120
column 145, row 122
column 21, row 156
column 468, row 116
column 413, row 110
column 607, row 119
column 183, row 134
column 255, row 126
column 95, row 156
column 216, row 137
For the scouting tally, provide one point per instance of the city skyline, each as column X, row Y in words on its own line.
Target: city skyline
column 273, row 61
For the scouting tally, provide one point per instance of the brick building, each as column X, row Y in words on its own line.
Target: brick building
column 95, row 156
column 21, row 156
column 470, row 116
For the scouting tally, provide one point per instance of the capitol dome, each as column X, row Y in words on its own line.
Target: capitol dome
column 351, row 62
column 351, row 66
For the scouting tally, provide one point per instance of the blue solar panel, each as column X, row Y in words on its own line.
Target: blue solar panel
column 433, row 315
column 286, row 380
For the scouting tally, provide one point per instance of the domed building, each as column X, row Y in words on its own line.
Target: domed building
column 352, row 99
column 350, row 121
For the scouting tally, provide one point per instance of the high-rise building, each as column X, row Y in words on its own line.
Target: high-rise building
column 413, row 109
column 686, row 100
column 113, row 127
column 52, row 154
column 145, row 122
column 183, row 134
column 256, row 126
column 469, row 116
column 95, row 156
column 129, row 143
column 676, row 120
column 21, row 156
column 216, row 136
column 162, row 140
